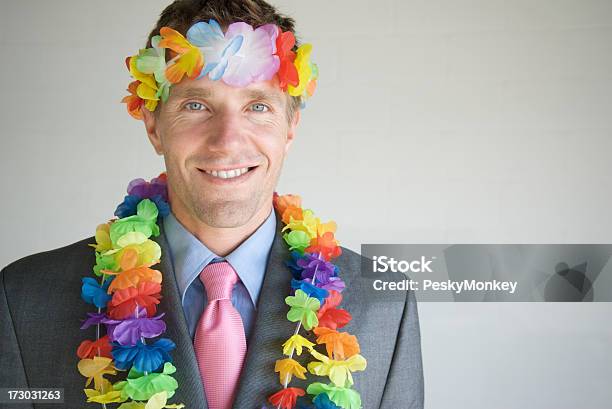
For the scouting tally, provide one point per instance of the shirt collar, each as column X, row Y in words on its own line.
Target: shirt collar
column 189, row 255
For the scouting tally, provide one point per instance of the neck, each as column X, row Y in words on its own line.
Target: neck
column 221, row 240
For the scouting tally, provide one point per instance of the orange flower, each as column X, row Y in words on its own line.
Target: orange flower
column 339, row 345
column 133, row 101
column 292, row 212
column 132, row 277
column 281, row 202
column 189, row 60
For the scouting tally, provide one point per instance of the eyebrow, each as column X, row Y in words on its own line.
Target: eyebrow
column 208, row 93
column 260, row 94
column 193, row 92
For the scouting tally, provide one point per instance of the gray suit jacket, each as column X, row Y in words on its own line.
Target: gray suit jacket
column 41, row 312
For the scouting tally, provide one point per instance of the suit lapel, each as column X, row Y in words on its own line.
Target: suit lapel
column 190, row 390
column 258, row 379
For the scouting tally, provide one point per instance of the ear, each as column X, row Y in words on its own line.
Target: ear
column 150, row 122
column 292, row 130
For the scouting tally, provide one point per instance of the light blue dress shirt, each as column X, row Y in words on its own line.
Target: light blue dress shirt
column 189, row 256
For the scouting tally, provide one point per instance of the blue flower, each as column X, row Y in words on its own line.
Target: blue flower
column 322, row 401
column 162, row 206
column 296, row 269
column 212, row 42
column 311, row 290
column 93, row 293
column 128, row 206
column 143, row 357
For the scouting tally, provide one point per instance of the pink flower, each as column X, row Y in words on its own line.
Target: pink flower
column 256, row 59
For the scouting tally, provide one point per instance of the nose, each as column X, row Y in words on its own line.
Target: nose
column 228, row 132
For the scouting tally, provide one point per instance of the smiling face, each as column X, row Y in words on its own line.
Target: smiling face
column 223, row 147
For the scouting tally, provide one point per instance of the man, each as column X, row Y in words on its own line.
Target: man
column 223, row 142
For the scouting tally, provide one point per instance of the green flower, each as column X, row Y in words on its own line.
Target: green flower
column 344, row 397
column 297, row 240
column 142, row 387
column 144, row 221
column 104, row 263
column 303, row 309
column 153, row 61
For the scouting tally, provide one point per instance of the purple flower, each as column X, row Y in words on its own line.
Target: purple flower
column 331, row 283
column 147, row 190
column 314, row 265
column 130, row 330
column 255, row 60
column 93, row 318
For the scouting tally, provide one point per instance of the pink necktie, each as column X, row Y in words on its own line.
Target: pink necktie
column 219, row 341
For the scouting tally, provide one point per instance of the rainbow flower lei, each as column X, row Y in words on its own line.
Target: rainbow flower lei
column 314, row 306
column 238, row 57
column 129, row 290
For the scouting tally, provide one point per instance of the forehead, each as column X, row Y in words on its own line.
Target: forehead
column 207, row 88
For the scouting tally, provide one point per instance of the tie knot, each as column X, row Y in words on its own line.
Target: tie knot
column 218, row 279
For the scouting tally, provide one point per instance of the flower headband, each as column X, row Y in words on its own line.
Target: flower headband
column 239, row 57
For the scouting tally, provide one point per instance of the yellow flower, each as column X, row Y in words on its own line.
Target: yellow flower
column 147, row 89
column 148, row 251
column 103, row 241
column 323, row 228
column 339, row 372
column 109, row 397
column 287, row 368
column 95, row 369
column 296, row 343
column 159, row 401
column 304, row 69
column 105, row 395
column 308, row 224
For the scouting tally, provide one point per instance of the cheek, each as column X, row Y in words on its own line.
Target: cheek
column 275, row 149
column 181, row 137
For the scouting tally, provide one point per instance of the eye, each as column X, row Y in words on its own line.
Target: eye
column 195, row 106
column 259, row 107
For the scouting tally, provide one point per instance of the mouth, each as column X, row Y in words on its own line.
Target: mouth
column 228, row 175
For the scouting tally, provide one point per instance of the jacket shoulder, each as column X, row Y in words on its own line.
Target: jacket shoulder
column 349, row 261
column 75, row 256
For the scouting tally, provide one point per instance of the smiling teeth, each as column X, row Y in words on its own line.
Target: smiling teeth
column 227, row 174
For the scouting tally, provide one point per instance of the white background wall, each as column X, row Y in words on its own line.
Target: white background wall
column 439, row 121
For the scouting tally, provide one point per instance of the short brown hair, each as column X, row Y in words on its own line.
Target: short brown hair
column 182, row 14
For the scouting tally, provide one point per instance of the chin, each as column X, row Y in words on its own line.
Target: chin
column 227, row 213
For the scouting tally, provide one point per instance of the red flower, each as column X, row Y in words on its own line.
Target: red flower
column 326, row 245
column 286, row 398
column 89, row 349
column 133, row 101
column 330, row 316
column 124, row 302
column 287, row 73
